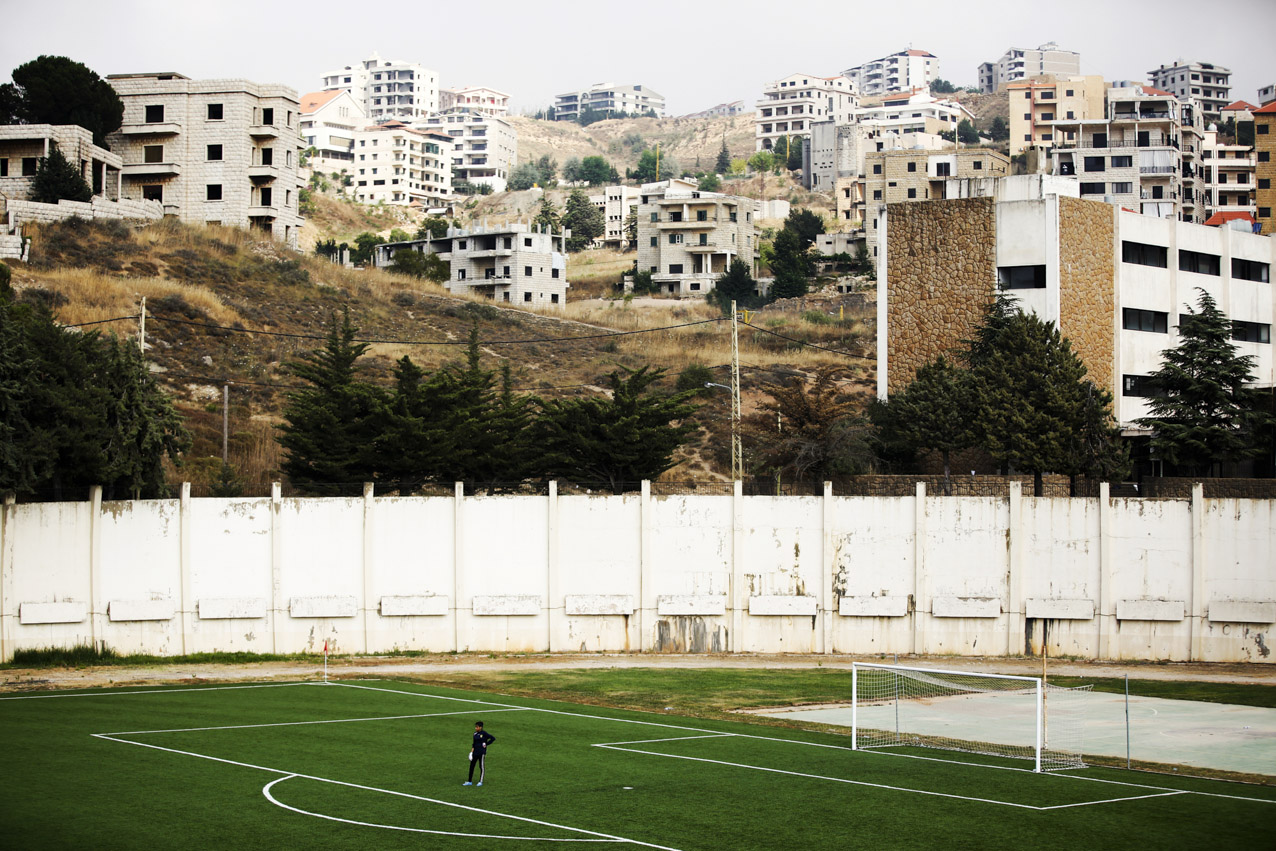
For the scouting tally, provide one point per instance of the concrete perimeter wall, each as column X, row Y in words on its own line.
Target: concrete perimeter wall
column 1103, row 578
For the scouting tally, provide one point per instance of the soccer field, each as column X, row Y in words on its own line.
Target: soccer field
column 380, row 764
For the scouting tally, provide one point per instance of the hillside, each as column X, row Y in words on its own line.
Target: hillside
column 224, row 307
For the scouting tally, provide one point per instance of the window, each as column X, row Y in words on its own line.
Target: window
column 214, row 112
column 1264, row 212
column 704, row 238
column 1201, row 264
column 1094, row 164
column 912, row 193
column 1261, row 129
column 266, row 196
column 1099, row 140
column 1134, row 319
column 527, row 271
column 1122, row 162
column 877, row 168
column 461, row 247
column 655, row 240
column 553, row 273
column 505, row 271
column 675, row 268
column 553, row 298
column 1021, row 277
column 214, row 153
column 877, row 194
column 213, row 192
column 979, row 165
column 460, row 274
column 1138, row 385
column 912, row 166
column 675, row 216
column 655, row 217
column 1251, row 332
column 267, row 156
column 155, row 113
column 1251, row 270
column 267, row 115
column 1142, row 254
column 153, row 192
column 1093, row 188
column 29, row 166
column 675, row 239
column 1264, row 183
column 943, row 170
column 4, row 166
column 702, row 215
column 1264, row 156
column 527, row 296
column 152, row 153
column 1126, row 188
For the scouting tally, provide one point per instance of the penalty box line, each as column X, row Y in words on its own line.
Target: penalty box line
column 300, row 723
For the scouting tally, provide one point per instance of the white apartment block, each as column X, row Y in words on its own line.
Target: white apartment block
column 616, row 203
column 791, row 104
column 395, row 164
column 485, row 147
column 1018, row 64
column 900, row 72
column 912, row 112
column 1144, row 155
column 1207, row 84
column 835, row 152
column 1267, row 94
column 475, row 98
column 735, row 107
column 329, row 121
column 515, row 264
column 609, row 98
column 687, row 239
column 1227, row 177
column 388, row 88
column 22, row 146
column 1035, row 105
column 212, row 151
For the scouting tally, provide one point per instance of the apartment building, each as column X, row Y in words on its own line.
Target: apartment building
column 1267, row 94
column 395, row 164
column 609, row 98
column 915, row 111
column 1207, row 84
column 329, row 121
column 476, row 98
column 735, row 107
column 899, row 72
column 485, row 147
column 834, row 153
column 1114, row 281
column 791, row 104
column 687, row 239
column 1020, row 64
column 616, row 203
column 1227, row 176
column 22, row 146
column 1265, row 166
column 1143, row 155
column 515, row 264
column 1036, row 104
column 388, row 88
column 212, row 151
column 893, row 177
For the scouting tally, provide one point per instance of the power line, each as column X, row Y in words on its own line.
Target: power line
column 808, row 345
column 132, row 318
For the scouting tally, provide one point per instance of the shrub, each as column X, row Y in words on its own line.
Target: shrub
column 694, row 378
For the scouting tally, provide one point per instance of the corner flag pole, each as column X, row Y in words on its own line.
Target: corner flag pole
column 325, row 660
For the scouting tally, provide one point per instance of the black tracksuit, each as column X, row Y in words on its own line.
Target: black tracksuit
column 482, row 739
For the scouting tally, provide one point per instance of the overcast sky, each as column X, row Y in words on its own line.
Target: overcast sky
column 696, row 53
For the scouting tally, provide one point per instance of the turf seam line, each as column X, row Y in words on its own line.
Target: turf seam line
column 297, row 723
column 149, row 691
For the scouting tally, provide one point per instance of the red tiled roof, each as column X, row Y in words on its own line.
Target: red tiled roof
column 1152, row 90
column 313, row 100
column 919, row 53
column 1239, row 105
column 1226, row 216
column 1267, row 110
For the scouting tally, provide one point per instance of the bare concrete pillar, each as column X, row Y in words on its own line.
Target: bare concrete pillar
column 276, row 562
column 186, row 607
column 96, row 609
column 921, row 599
column 1014, row 590
column 1196, row 613
column 827, row 571
column 1106, row 616
column 458, row 561
column 369, row 586
column 554, row 605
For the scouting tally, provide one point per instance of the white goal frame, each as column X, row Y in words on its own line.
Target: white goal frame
column 1058, row 758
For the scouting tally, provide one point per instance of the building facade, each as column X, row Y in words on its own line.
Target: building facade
column 484, row 147
column 609, row 98
column 212, row 151
column 616, row 203
column 388, row 88
column 789, row 106
column 395, row 164
column 1114, row 281
column 914, row 111
column 899, row 72
column 1207, row 84
column 1019, row 64
column 687, row 238
column 329, row 121
column 1267, row 94
column 476, row 98
column 517, row 264
column 1227, row 176
column 1035, row 106
column 1265, row 166
column 735, row 107
column 22, row 146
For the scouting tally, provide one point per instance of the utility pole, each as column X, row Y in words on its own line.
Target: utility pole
column 737, row 455
column 141, row 335
column 225, row 423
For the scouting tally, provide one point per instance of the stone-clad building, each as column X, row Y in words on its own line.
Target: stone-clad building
column 22, row 146
column 688, row 238
column 212, row 151
column 1114, row 281
column 1265, row 168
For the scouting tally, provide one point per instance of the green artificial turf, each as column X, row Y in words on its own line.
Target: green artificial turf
column 192, row 768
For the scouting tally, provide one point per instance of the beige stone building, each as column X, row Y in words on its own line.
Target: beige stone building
column 477, row 98
column 1037, row 104
column 899, row 72
column 616, row 203
column 388, row 88
column 1227, row 176
column 329, row 121
column 1265, row 166
column 1019, row 64
column 790, row 105
column 395, row 164
column 1204, row 82
column 22, row 146
column 688, row 238
column 1114, row 281
column 212, row 151
column 484, row 147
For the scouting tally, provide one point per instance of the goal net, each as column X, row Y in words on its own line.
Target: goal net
column 994, row 714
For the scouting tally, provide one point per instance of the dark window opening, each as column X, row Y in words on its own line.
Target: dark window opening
column 214, row 112
column 155, row 113
column 213, row 192
column 153, row 192
column 152, row 153
column 1021, row 277
column 1201, row 264
column 1251, row 270
column 1155, row 321
column 1143, row 254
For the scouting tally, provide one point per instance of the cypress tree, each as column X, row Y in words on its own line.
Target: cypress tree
column 56, row 180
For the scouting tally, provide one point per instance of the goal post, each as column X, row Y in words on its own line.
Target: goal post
column 994, row 714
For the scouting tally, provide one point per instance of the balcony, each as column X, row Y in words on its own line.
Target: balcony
column 1157, row 169
column 151, row 169
column 270, row 211
column 263, row 131
column 686, row 224
column 263, row 172
column 159, row 128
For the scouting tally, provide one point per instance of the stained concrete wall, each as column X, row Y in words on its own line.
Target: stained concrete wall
column 1096, row 578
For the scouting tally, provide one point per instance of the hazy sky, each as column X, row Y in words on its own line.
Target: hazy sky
column 696, row 53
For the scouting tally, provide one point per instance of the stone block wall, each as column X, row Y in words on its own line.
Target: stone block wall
column 1087, row 285
column 941, row 275
column 1265, row 143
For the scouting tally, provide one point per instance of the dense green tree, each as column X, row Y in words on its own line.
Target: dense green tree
column 548, row 216
column 364, row 243
column 414, row 264
column 999, row 131
column 647, row 172
column 58, row 90
column 762, row 162
column 623, row 439
column 789, row 265
column 935, row 412
column 416, row 442
column 596, row 171
column 1202, row 415
column 631, row 227
column 571, row 170
column 548, row 168
column 523, row 176
column 941, row 86
column 585, row 221
column 810, row 430
column 966, row 133
column 57, row 180
column 806, row 224
column 723, row 165
column 330, row 427
column 710, row 183
column 432, row 227
column 736, row 284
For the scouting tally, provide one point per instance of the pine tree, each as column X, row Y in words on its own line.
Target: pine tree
column 548, row 216
column 1202, row 416
column 789, row 265
column 810, row 430
column 736, row 284
column 57, row 180
column 934, row 412
column 583, row 219
column 723, row 165
column 144, row 427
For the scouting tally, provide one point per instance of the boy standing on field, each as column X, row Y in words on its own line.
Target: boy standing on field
column 478, row 751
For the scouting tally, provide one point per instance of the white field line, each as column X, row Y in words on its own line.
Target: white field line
column 298, row 723
column 383, row 791
column 1113, row 800
column 150, row 691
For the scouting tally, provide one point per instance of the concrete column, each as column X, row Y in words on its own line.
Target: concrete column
column 458, row 561
column 6, row 578
column 646, row 587
column 276, row 562
column 1196, row 620
column 1106, row 616
column 369, row 587
column 186, row 609
column 921, row 602
column 736, row 586
column 1014, row 590
column 554, row 605
column 96, row 609
column 827, row 571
